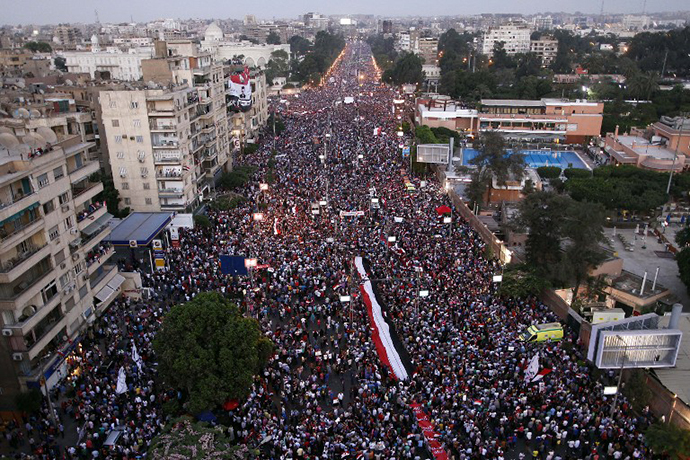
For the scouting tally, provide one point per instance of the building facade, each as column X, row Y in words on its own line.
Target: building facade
column 545, row 48
column 56, row 275
column 109, row 65
column 427, row 48
column 514, row 35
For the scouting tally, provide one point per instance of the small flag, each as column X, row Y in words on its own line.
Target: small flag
column 541, row 374
column 477, row 402
column 136, row 358
column 275, row 227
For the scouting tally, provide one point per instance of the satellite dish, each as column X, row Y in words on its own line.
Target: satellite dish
column 34, row 140
column 21, row 149
column 29, row 311
column 47, row 134
column 35, row 113
column 8, row 140
column 5, row 129
column 69, row 82
column 151, row 84
column 20, row 113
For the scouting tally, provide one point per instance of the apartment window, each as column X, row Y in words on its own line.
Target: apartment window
column 118, row 139
column 116, row 123
column 53, row 233
column 125, row 186
column 136, row 123
column 149, row 201
column 69, row 304
column 83, row 292
column 128, row 201
column 64, row 280
column 69, row 222
column 43, row 180
column 58, row 173
column 60, row 256
column 123, row 172
column 134, row 105
column 113, row 104
column 120, row 155
column 140, row 139
column 147, row 186
column 64, row 198
column 48, row 207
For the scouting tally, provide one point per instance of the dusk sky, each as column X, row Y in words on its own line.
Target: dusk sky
column 55, row 11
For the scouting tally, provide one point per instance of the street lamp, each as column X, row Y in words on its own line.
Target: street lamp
column 620, row 375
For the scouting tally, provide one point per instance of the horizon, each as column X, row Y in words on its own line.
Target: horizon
column 53, row 12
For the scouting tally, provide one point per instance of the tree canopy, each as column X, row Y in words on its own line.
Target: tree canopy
column 406, row 69
column 317, row 57
column 38, row 47
column 668, row 439
column 273, row 38
column 207, row 349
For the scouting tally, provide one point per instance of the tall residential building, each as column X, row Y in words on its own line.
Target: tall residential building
column 514, row 35
column 67, row 36
column 546, row 48
column 152, row 141
column 427, row 48
column 181, row 62
column 543, row 22
column 56, row 275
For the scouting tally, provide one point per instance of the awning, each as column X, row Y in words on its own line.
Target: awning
column 116, row 282
column 104, row 293
column 19, row 214
column 96, row 225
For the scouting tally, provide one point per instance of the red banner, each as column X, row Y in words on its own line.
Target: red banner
column 430, row 434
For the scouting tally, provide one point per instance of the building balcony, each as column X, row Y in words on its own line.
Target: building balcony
column 76, row 147
column 167, row 159
column 174, row 206
column 20, row 232
column 98, row 256
column 169, row 175
column 171, row 192
column 107, row 274
column 17, row 205
column 27, row 290
column 95, row 235
column 84, row 193
column 17, row 266
column 161, row 112
column 47, row 334
column 21, row 328
column 162, row 127
column 165, row 144
column 82, row 172
column 86, row 218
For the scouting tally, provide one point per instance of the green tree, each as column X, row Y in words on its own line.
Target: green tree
column 668, row 439
column 278, row 65
column 683, row 260
column 683, row 237
column 494, row 161
column 500, row 59
column 636, row 389
column 299, row 46
column 549, row 172
column 273, row 38
column 38, row 47
column 642, row 85
column 202, row 221
column 207, row 349
column 60, row 63
column 519, row 282
column 407, row 69
column 185, row 438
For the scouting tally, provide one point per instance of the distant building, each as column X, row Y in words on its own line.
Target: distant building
column 546, row 48
column 543, row 22
column 636, row 150
column 113, row 64
column 67, row 36
column 514, row 35
column 427, row 48
column 225, row 50
column 387, row 26
column 635, row 22
column 315, row 21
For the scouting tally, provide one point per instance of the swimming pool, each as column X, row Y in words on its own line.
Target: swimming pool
column 538, row 158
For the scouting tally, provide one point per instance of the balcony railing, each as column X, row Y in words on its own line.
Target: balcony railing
column 15, row 200
column 167, row 159
column 93, row 207
column 20, row 258
column 169, row 175
column 166, row 144
column 4, row 236
column 80, row 191
column 98, row 252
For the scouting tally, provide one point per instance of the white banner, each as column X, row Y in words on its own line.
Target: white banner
column 351, row 213
column 532, row 368
column 136, row 358
column 121, row 381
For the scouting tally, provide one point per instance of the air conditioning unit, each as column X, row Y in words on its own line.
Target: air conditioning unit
column 18, row 356
column 65, row 207
column 75, row 256
column 7, row 332
column 74, row 230
column 63, row 266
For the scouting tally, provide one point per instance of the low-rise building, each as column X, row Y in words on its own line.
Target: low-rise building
column 636, row 150
column 112, row 64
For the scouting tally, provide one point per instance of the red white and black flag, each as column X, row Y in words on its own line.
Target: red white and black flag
column 388, row 344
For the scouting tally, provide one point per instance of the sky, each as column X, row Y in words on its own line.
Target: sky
column 61, row 11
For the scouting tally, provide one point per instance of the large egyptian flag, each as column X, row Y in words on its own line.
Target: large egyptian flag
column 388, row 345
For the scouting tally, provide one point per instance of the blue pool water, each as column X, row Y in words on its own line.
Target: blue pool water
column 538, row 158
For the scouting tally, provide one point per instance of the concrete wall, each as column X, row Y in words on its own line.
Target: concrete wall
column 665, row 403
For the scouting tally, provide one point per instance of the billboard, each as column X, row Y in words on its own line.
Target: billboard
column 239, row 93
column 654, row 348
column 433, row 153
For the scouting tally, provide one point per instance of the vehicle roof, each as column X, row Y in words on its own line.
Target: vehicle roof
column 547, row 326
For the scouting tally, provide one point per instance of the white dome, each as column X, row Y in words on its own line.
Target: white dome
column 213, row 33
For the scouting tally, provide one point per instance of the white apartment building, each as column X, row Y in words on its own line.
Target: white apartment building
column 514, row 35
column 125, row 66
column 151, row 145
column 56, row 275
column 546, row 48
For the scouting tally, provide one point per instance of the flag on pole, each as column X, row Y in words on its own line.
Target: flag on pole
column 121, row 381
column 136, row 358
column 532, row 368
column 275, row 226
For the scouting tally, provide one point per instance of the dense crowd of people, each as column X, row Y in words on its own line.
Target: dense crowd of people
column 326, row 393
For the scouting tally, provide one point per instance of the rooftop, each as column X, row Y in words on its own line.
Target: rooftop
column 642, row 146
column 141, row 227
column 677, row 379
column 632, row 284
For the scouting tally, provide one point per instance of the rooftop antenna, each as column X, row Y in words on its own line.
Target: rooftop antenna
column 601, row 13
column 644, row 6
column 98, row 21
